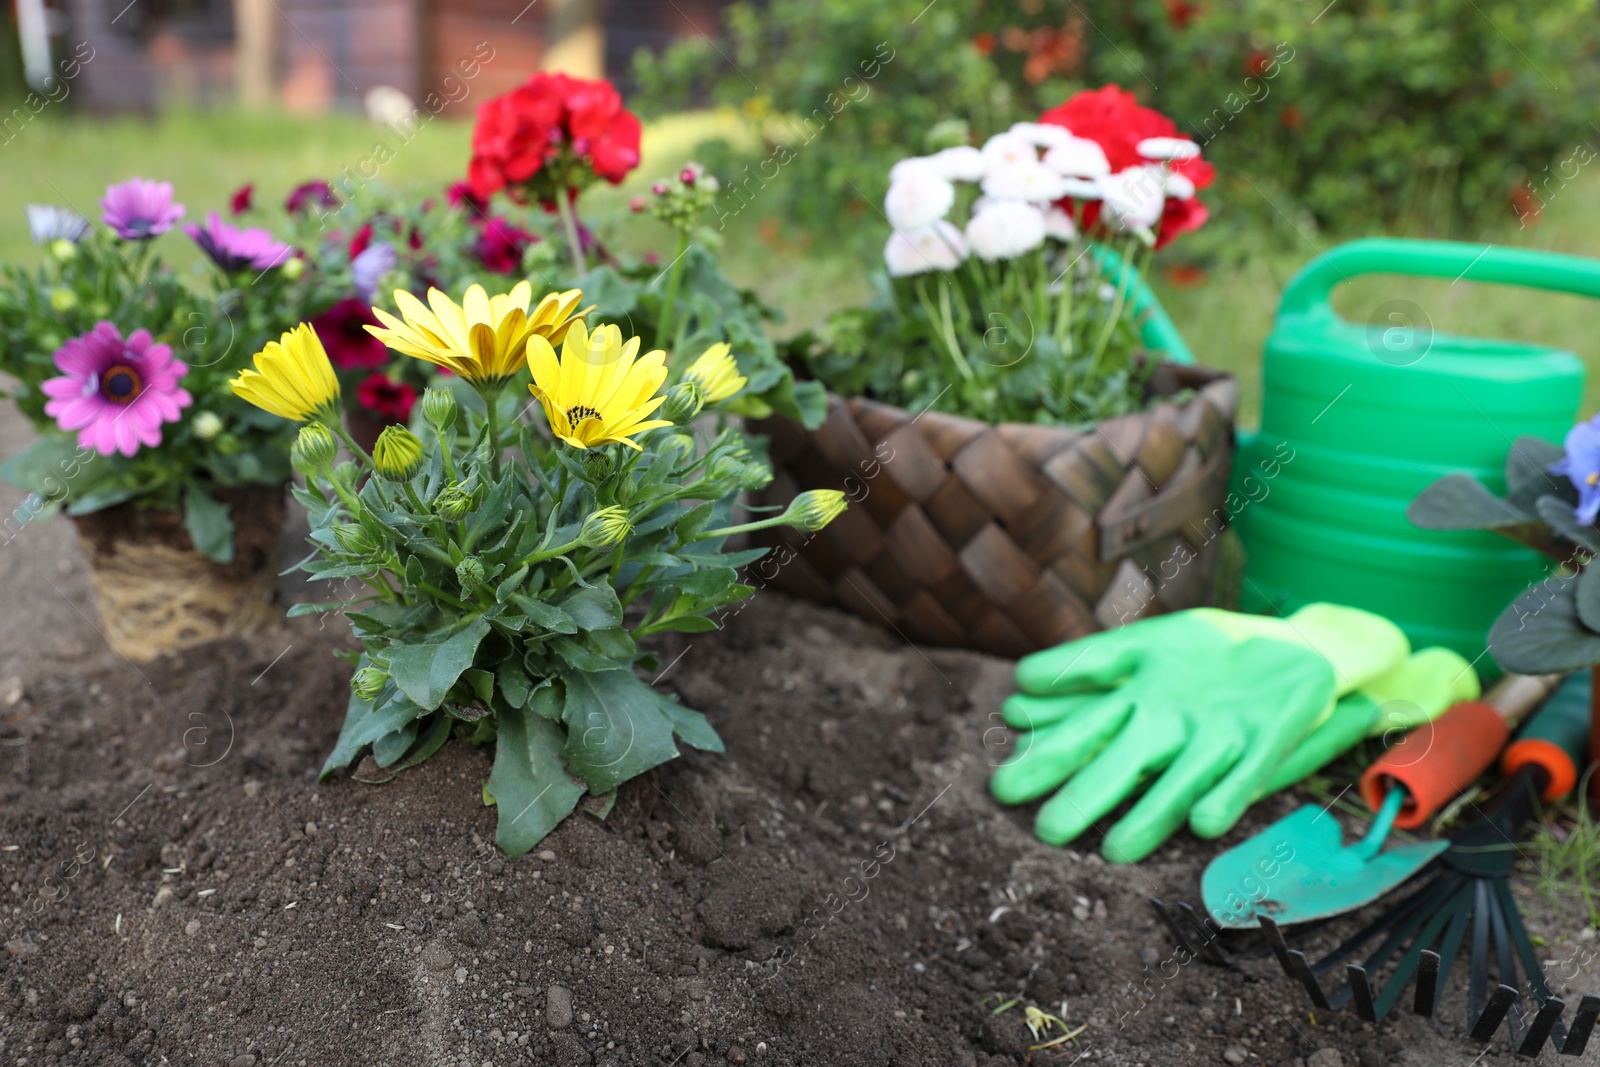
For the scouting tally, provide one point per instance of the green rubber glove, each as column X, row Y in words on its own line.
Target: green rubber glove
column 1419, row 690
column 1206, row 701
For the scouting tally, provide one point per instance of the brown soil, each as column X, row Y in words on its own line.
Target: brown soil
column 837, row 889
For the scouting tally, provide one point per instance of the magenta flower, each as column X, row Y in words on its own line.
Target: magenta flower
column 231, row 248
column 139, row 209
column 308, row 194
column 115, row 393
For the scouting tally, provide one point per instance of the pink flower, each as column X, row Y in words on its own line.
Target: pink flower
column 305, row 196
column 139, row 209
column 341, row 329
column 116, row 393
column 233, row 249
column 384, row 396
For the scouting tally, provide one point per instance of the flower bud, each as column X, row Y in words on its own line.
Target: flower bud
column 354, row 539
column 659, row 188
column 368, row 682
column 814, row 509
column 439, row 409
column 597, row 464
column 687, row 175
column 313, row 450
column 63, row 249
column 683, row 402
column 681, row 442
column 716, row 374
column 605, row 528
column 638, row 204
column 397, row 454
column 63, row 300
column 755, row 475
column 469, row 572
column 453, row 504
column 726, row 468
column 294, row 268
column 207, row 425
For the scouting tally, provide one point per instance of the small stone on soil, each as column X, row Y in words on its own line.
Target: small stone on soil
column 1234, row 1054
column 558, row 1007
column 1325, row 1057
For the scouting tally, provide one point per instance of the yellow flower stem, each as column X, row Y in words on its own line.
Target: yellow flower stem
column 674, row 276
column 569, row 223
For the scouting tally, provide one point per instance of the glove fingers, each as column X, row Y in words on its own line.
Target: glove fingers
column 1347, row 725
column 1305, row 691
column 1095, row 662
column 1166, row 805
column 1049, row 756
column 1023, row 712
column 1113, row 776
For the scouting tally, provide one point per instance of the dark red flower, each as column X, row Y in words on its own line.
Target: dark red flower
column 461, row 194
column 384, row 396
column 304, row 195
column 500, row 245
column 1180, row 13
column 550, row 114
column 349, row 345
column 1257, row 63
column 984, row 43
column 363, row 238
column 242, row 197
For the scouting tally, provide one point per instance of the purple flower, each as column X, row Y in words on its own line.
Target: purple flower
column 304, row 195
column 48, row 223
column 1581, row 465
column 368, row 269
column 116, row 393
column 138, row 209
column 232, row 249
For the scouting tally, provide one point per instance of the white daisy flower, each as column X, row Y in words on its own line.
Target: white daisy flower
column 1082, row 188
column 48, row 223
column 1008, row 150
column 936, row 247
column 963, row 163
column 1033, row 182
column 1058, row 224
column 1078, row 157
column 1167, row 148
column 1042, row 134
column 919, row 198
column 1005, row 229
column 907, row 165
column 1180, row 187
column 1134, row 198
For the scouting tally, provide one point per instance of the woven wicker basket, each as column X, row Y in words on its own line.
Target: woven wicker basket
column 1009, row 538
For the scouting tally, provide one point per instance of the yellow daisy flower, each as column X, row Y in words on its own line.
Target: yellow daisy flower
column 292, row 378
column 484, row 338
column 715, row 374
column 597, row 393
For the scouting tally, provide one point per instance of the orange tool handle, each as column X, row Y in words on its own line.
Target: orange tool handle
column 1437, row 760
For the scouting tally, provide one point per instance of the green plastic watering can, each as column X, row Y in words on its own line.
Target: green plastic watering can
column 1358, row 418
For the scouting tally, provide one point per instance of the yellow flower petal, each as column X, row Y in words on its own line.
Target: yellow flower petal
column 292, row 378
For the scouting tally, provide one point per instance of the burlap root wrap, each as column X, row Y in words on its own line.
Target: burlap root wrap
column 1014, row 537
column 157, row 594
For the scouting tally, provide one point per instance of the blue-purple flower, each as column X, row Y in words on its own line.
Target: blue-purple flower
column 1581, row 465
column 233, row 249
column 138, row 209
column 368, row 268
column 48, row 223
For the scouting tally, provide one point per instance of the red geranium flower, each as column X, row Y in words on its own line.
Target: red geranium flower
column 384, row 396
column 242, row 198
column 548, row 117
column 500, row 245
column 1114, row 119
column 349, row 345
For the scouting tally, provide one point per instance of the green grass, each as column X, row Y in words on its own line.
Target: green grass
column 1226, row 317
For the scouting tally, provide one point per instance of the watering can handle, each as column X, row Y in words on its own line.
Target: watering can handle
column 1309, row 289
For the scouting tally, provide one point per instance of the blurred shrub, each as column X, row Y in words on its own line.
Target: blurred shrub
column 1372, row 113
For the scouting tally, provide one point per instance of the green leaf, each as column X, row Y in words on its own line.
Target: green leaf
column 209, row 525
column 513, row 682
column 388, row 749
column 1541, row 632
column 549, row 616
column 438, row 732
column 594, row 607
column 1559, row 514
column 1527, row 463
column 683, row 624
column 691, row 524
column 599, row 804
column 425, row 672
column 503, row 591
column 307, row 608
column 1588, row 598
column 1460, row 502
column 547, row 700
column 530, row 788
column 690, row 727
column 615, row 728
column 481, row 682
column 364, row 723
